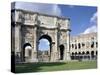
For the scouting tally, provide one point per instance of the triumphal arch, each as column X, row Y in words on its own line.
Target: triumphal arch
column 28, row 27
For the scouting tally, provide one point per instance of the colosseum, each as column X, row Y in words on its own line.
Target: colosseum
column 84, row 47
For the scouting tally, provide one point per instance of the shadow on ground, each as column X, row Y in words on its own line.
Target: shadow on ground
column 35, row 67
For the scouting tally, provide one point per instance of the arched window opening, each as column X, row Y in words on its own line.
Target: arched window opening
column 79, row 53
column 75, row 53
column 96, row 44
column 75, row 46
column 96, row 53
column 92, row 45
column 79, row 46
column 72, row 54
column 87, row 52
column 87, row 55
column 83, row 44
column 72, row 45
column 83, row 53
column 92, row 55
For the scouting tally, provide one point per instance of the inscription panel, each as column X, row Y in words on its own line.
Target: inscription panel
column 46, row 21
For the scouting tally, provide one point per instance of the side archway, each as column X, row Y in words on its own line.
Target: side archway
column 27, row 50
column 92, row 55
column 61, row 51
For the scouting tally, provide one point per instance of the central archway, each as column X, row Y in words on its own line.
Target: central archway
column 44, row 55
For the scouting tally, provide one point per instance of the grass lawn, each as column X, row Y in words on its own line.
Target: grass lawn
column 54, row 66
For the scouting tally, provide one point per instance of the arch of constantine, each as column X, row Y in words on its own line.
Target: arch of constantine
column 27, row 28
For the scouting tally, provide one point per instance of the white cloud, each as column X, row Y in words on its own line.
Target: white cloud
column 90, row 29
column 94, row 18
column 93, row 22
column 52, row 9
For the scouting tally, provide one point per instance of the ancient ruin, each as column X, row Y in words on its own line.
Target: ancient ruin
column 29, row 27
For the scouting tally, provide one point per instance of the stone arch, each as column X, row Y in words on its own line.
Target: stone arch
column 92, row 44
column 83, row 53
column 92, row 54
column 26, row 44
column 75, row 46
column 47, row 37
column 72, row 45
column 96, row 44
column 72, row 55
column 79, row 53
column 87, row 54
column 79, row 45
column 75, row 53
column 39, row 26
column 61, row 51
column 83, row 45
column 27, row 50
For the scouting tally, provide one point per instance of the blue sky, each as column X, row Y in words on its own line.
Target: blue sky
column 83, row 18
column 80, row 17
